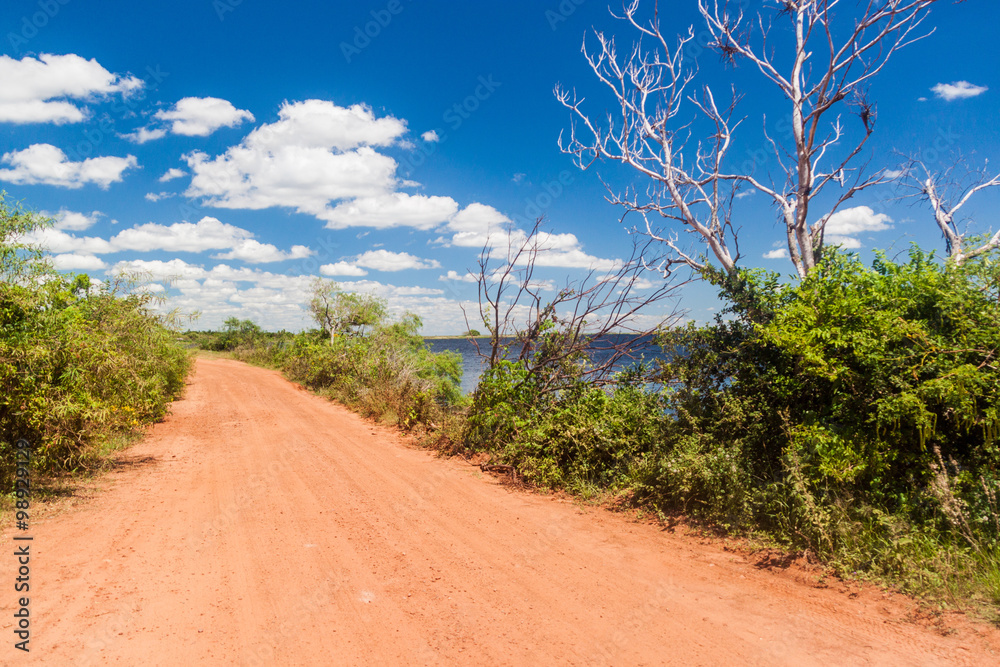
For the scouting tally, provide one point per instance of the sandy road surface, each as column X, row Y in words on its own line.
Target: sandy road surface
column 264, row 525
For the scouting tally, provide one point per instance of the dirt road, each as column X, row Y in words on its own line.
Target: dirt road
column 261, row 525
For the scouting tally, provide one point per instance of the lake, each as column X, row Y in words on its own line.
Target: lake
column 473, row 365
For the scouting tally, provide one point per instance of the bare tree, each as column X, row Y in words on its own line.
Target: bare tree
column 585, row 331
column 947, row 192
column 821, row 68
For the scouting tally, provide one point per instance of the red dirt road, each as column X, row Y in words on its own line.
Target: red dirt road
column 264, row 525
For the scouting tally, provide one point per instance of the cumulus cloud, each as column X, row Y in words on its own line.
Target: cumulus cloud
column 71, row 221
column 37, row 90
column 255, row 252
column 847, row 242
column 850, row 221
column 171, row 174
column 430, row 136
column 316, row 153
column 201, row 116
column 46, row 164
column 58, row 241
column 384, row 260
column 479, row 226
column 844, row 225
column 473, row 226
column 454, row 276
column 391, row 210
column 144, row 134
column 777, row 253
column 207, row 234
column 959, row 90
column 342, row 269
column 278, row 300
column 157, row 196
column 77, row 262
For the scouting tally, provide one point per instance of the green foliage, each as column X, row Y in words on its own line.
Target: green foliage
column 237, row 332
column 338, row 312
column 79, row 364
column 854, row 414
column 583, row 437
column 859, row 406
column 380, row 367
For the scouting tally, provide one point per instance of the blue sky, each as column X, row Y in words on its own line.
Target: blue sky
column 233, row 150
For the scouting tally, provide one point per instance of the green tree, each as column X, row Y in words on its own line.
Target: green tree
column 338, row 312
column 19, row 260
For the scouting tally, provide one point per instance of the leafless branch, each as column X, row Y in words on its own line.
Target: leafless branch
column 821, row 71
column 585, row 331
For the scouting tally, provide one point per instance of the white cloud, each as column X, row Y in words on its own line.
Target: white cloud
column 476, row 224
column 391, row 210
column 144, row 134
column 71, row 221
column 255, row 252
column 637, row 283
column 171, row 174
column 157, row 196
column 323, row 124
column 207, row 234
column 201, row 116
column 315, row 154
column 77, row 262
column 454, row 276
column 777, row 253
column 959, row 90
column 277, row 300
column 847, row 242
column 384, row 260
column 851, row 221
column 342, row 269
column 47, row 165
column 35, row 90
column 431, row 136
column 305, row 179
column 58, row 241
column 479, row 225
column 159, row 270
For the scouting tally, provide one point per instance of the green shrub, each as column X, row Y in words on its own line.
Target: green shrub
column 383, row 370
column 78, row 363
column 862, row 407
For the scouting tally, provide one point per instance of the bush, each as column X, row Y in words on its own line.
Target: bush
column 383, row 371
column 860, row 405
column 79, row 364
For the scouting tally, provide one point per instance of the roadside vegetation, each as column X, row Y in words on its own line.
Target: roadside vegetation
column 377, row 365
column 853, row 415
column 851, row 412
column 83, row 366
